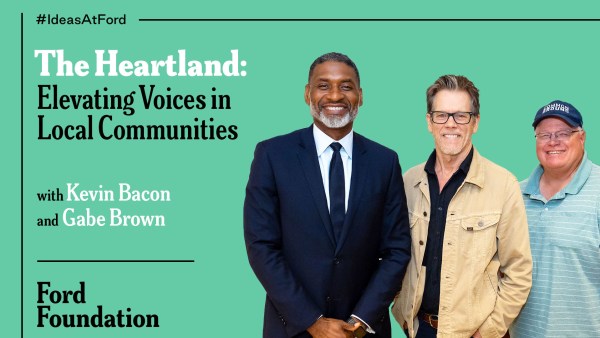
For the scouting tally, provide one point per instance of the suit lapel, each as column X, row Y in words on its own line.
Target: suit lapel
column 310, row 165
column 357, row 183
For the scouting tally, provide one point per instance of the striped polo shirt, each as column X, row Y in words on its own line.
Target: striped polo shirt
column 565, row 245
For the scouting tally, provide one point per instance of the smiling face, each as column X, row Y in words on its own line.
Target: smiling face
column 452, row 140
column 559, row 156
column 334, row 95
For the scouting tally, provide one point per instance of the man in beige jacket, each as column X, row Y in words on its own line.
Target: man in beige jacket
column 470, row 270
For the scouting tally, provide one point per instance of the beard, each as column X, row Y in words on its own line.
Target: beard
column 451, row 150
column 333, row 122
column 453, row 147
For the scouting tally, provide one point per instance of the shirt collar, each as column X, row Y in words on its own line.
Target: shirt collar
column 533, row 182
column 464, row 166
column 322, row 141
column 581, row 175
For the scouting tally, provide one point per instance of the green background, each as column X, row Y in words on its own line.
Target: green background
column 518, row 67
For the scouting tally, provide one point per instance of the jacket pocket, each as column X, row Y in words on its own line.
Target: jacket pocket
column 493, row 281
column 415, row 217
column 418, row 236
column 478, row 234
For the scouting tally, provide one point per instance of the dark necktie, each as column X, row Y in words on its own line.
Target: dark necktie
column 337, row 198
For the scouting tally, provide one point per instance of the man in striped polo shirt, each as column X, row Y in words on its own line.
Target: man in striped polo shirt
column 562, row 198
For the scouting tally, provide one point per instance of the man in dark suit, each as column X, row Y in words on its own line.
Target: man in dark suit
column 325, row 218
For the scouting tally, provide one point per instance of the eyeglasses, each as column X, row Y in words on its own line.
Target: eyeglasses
column 560, row 136
column 441, row 117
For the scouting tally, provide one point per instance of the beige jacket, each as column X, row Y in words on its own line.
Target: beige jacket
column 486, row 236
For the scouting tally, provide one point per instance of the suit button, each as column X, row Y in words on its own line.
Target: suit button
column 328, row 299
column 425, row 213
column 337, row 261
column 421, row 243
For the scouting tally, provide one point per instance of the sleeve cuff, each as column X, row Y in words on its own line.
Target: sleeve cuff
column 369, row 329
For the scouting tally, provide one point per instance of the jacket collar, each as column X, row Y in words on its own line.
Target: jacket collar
column 476, row 172
column 474, row 176
column 307, row 155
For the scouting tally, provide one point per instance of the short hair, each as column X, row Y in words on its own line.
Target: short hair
column 454, row 82
column 335, row 57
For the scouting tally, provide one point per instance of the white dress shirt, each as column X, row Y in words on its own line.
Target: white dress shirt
column 324, row 151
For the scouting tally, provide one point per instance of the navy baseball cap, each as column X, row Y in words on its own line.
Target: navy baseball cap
column 562, row 110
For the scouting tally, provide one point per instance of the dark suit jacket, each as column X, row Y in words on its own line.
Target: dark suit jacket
column 290, row 241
